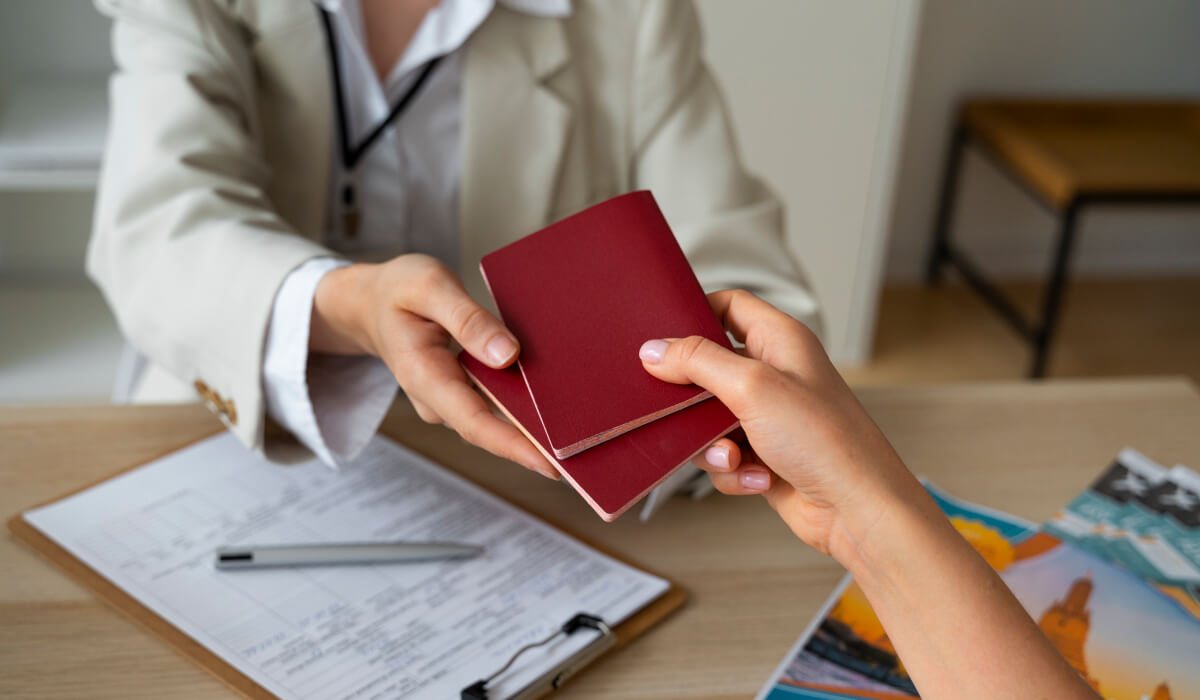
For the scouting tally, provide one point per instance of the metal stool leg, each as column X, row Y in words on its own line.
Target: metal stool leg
column 939, row 253
column 1052, row 299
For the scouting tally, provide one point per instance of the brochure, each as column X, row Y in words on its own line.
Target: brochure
column 1130, row 638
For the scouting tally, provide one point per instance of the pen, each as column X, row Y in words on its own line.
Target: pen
column 254, row 557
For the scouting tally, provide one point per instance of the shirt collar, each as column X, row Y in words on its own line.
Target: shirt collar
column 542, row 8
column 450, row 23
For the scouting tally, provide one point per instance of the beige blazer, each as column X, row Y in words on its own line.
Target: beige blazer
column 215, row 181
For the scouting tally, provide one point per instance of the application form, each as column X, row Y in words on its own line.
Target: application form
column 415, row 630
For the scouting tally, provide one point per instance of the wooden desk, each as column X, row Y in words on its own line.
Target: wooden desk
column 1023, row 448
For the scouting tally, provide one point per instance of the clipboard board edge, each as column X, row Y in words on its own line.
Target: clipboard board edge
column 129, row 607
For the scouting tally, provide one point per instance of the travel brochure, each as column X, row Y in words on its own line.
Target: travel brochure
column 1113, row 580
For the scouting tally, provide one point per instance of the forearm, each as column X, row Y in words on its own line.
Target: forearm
column 958, row 629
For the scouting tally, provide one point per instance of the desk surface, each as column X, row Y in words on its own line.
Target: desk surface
column 1023, row 448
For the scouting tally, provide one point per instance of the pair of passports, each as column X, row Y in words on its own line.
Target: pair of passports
column 582, row 295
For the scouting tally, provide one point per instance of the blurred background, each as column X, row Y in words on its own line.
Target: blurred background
column 849, row 111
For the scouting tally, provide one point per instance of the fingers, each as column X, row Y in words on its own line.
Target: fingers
column 731, row 471
column 445, row 392
column 474, row 421
column 740, row 312
column 439, row 296
column 747, row 480
column 724, row 455
column 426, row 413
column 738, row 382
column 769, row 334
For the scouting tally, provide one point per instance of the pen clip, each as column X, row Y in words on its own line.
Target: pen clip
column 555, row 677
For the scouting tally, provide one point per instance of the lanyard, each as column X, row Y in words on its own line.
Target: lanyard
column 350, row 153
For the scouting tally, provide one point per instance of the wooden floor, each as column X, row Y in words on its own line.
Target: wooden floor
column 1108, row 328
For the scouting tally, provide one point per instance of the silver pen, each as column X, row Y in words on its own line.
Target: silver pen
column 255, row 557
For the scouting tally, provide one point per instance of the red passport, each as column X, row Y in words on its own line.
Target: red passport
column 617, row 473
column 582, row 295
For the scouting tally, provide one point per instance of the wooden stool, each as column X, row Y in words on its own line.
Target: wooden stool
column 1067, row 155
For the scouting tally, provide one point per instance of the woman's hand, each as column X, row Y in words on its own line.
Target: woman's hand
column 829, row 472
column 815, row 454
column 406, row 311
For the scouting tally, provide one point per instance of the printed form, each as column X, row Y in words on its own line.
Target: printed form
column 417, row 630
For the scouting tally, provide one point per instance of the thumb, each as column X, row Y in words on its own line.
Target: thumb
column 441, row 298
column 698, row 360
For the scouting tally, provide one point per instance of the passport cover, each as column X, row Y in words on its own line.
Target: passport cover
column 617, row 473
column 582, row 295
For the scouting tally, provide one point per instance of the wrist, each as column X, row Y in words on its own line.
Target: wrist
column 870, row 532
column 340, row 311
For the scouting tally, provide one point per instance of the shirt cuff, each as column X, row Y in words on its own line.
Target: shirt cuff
column 333, row 404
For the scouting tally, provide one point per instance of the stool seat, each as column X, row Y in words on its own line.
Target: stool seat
column 1065, row 149
column 1068, row 154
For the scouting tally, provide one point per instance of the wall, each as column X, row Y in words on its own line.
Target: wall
column 1065, row 47
column 816, row 88
column 43, row 234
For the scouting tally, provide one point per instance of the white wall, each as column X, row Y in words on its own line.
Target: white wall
column 1032, row 47
column 816, row 88
column 43, row 235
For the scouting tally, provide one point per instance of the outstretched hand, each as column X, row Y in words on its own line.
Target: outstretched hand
column 812, row 450
column 407, row 311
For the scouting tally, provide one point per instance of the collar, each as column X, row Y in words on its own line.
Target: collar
column 449, row 24
column 541, row 8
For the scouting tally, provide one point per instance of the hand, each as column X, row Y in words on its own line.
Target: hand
column 835, row 479
column 406, row 311
column 816, row 455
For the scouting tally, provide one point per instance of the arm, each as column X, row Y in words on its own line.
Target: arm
column 728, row 222
column 191, row 254
column 186, row 245
column 824, row 466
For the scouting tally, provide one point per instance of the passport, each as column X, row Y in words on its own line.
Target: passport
column 581, row 296
column 617, row 473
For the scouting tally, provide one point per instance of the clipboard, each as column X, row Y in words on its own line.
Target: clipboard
column 124, row 603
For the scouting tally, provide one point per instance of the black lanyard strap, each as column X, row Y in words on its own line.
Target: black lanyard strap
column 350, row 153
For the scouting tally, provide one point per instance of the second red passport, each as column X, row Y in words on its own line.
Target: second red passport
column 582, row 295
column 614, row 475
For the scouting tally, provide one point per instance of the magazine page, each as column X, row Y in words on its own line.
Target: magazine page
column 1144, row 518
column 1120, row 632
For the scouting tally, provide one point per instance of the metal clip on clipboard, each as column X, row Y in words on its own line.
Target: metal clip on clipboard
column 555, row 677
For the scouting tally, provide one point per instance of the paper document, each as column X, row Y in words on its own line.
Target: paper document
column 388, row 631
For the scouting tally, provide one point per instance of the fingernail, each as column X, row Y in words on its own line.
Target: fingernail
column 500, row 348
column 755, row 479
column 652, row 351
column 717, row 456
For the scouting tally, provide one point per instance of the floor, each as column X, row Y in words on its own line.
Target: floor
column 61, row 344
column 1108, row 328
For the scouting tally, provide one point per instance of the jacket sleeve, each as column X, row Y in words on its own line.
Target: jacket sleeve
column 186, row 246
column 728, row 222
